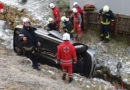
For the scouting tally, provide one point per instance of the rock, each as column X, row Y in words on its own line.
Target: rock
column 128, row 51
column 2, row 17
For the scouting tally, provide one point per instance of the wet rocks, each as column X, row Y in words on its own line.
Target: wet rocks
column 13, row 16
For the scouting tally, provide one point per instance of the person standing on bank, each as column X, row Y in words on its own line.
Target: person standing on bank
column 106, row 17
column 28, row 36
column 66, row 55
column 77, row 20
column 56, row 15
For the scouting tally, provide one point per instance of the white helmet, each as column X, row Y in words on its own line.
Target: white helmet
column 75, row 4
column 52, row 5
column 74, row 10
column 63, row 18
column 26, row 20
column 50, row 19
column 106, row 8
column 66, row 36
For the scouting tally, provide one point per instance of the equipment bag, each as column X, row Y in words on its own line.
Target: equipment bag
column 89, row 7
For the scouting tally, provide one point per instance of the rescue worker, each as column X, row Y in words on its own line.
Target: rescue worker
column 66, row 56
column 77, row 20
column 79, row 9
column 51, row 25
column 56, row 15
column 106, row 17
column 68, row 27
column 28, row 36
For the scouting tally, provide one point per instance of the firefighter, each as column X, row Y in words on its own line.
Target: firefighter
column 66, row 56
column 106, row 17
column 28, row 36
column 68, row 27
column 80, row 10
column 77, row 20
column 51, row 25
column 56, row 15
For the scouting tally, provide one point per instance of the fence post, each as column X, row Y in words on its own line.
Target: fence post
column 117, row 23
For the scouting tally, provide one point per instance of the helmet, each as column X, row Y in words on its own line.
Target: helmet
column 105, row 8
column 75, row 4
column 26, row 20
column 50, row 19
column 74, row 10
column 51, row 5
column 63, row 18
column 66, row 36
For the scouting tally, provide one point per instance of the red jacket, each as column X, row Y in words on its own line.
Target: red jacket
column 1, row 6
column 56, row 14
column 79, row 9
column 76, row 19
column 66, row 53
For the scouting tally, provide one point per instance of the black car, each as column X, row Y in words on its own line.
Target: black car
column 47, row 51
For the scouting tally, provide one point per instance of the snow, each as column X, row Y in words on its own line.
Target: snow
column 38, row 9
column 6, row 36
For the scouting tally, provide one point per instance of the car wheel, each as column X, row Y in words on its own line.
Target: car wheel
column 80, row 47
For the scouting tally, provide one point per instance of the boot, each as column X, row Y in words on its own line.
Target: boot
column 106, row 41
column 70, row 80
column 102, row 38
column 36, row 67
column 64, row 77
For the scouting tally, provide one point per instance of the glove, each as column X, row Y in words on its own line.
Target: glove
column 24, row 40
column 112, row 24
column 98, row 17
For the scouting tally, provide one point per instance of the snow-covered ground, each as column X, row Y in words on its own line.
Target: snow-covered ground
column 38, row 9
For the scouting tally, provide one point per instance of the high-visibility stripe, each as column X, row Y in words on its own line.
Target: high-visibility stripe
column 69, row 31
column 66, row 60
column 28, row 48
column 21, row 35
column 101, row 35
column 107, row 36
column 76, row 19
column 105, row 23
column 65, row 63
column 112, row 20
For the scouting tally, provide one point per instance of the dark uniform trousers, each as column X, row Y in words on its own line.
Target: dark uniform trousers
column 104, row 31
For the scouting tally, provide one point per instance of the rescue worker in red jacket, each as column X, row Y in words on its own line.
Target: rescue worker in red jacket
column 77, row 20
column 80, row 10
column 56, row 15
column 65, row 56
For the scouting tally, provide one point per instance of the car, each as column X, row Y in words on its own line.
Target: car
column 47, row 51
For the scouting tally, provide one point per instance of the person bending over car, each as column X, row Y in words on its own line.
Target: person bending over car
column 28, row 36
column 66, row 54
column 51, row 26
column 68, row 27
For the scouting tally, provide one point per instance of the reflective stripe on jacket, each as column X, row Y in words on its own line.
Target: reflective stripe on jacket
column 106, row 18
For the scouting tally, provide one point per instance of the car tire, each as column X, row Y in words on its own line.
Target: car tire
column 80, row 47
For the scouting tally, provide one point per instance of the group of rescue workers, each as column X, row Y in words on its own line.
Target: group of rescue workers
column 66, row 54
